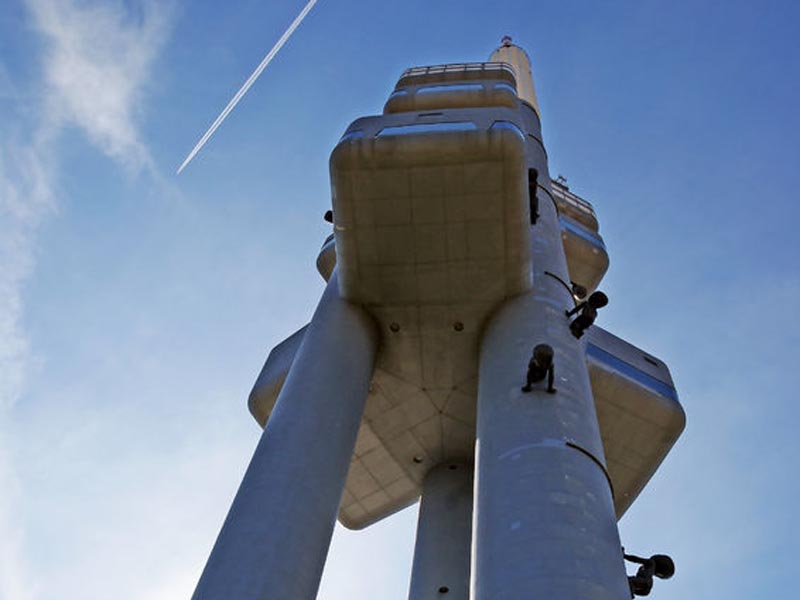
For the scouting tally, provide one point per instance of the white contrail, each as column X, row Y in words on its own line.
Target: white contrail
column 250, row 80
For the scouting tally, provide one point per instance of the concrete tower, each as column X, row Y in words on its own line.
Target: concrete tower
column 453, row 254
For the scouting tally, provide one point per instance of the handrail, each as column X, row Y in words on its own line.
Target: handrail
column 572, row 199
column 450, row 68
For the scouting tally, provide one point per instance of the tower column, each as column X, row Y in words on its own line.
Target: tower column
column 444, row 535
column 275, row 538
column 545, row 525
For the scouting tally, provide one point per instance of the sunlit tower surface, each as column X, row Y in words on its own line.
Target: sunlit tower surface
column 453, row 254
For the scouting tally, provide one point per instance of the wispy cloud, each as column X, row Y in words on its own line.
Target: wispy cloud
column 96, row 65
column 7, row 89
column 25, row 197
column 98, row 61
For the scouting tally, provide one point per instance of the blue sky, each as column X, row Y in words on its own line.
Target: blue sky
column 136, row 307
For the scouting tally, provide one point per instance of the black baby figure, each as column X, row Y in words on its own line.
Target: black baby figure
column 588, row 313
column 539, row 367
column 658, row 565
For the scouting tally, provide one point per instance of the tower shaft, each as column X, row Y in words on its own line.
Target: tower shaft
column 444, row 535
column 275, row 539
column 544, row 514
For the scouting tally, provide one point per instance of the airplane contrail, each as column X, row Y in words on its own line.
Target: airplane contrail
column 250, row 80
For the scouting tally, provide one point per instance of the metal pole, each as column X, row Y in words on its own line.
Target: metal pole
column 444, row 535
column 545, row 525
column 276, row 536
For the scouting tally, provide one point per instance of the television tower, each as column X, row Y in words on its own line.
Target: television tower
column 452, row 356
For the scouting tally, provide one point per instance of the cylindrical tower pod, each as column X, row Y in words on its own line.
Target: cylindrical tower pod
column 276, row 536
column 444, row 534
column 544, row 524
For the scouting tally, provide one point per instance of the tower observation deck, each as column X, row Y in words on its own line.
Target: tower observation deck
column 453, row 254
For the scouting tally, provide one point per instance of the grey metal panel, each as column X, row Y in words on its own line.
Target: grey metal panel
column 628, row 353
column 587, row 258
column 638, row 410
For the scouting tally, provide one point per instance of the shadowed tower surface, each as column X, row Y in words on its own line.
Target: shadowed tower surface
column 453, row 254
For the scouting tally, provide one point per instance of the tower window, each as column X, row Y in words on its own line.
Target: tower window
column 533, row 198
column 427, row 128
column 455, row 87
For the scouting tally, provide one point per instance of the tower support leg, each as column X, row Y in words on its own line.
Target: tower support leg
column 444, row 535
column 275, row 538
column 545, row 525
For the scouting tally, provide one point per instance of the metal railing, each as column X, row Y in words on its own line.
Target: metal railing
column 563, row 194
column 490, row 68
